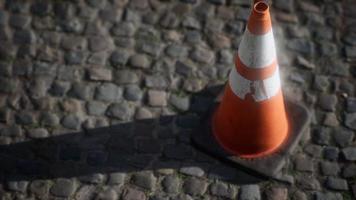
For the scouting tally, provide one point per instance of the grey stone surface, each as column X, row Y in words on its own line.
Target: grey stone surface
column 119, row 57
column 171, row 184
column 277, row 193
column 108, row 92
column 321, row 135
column 350, row 120
column 134, row 68
column 222, row 190
column 17, row 186
column 330, row 168
column 349, row 153
column 156, row 81
column 193, row 171
column 131, row 193
column 349, row 171
column 327, row 102
column 328, row 195
column 145, row 180
column 351, row 105
column 71, row 121
column 308, row 182
column 38, row 133
column 100, row 74
column 107, row 194
column 133, row 93
column 40, row 187
column 343, row 137
column 303, row 163
column 179, row 102
column 122, row 111
column 95, row 178
column 248, row 192
column 125, row 77
column 139, row 61
column 331, row 153
column 194, row 186
column 157, row 98
column 85, row 192
column 96, row 108
column 63, row 188
column 80, row 91
column 117, row 178
column 336, row 183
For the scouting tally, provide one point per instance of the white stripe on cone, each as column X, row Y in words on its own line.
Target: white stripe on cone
column 263, row 89
column 257, row 51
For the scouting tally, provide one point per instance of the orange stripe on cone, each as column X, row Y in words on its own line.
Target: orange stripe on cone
column 251, row 120
column 255, row 73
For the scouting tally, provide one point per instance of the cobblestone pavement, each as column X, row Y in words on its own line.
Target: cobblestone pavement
column 136, row 68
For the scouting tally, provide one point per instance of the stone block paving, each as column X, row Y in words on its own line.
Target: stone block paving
column 99, row 98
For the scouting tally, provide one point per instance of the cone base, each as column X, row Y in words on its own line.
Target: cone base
column 269, row 165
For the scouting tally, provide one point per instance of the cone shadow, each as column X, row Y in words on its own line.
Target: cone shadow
column 152, row 144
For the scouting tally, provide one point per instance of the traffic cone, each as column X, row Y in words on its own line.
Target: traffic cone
column 251, row 120
column 251, row 124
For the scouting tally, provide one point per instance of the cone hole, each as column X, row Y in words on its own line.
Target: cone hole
column 261, row 7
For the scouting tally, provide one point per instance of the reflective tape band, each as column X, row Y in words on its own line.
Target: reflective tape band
column 239, row 85
column 262, row 89
column 257, row 51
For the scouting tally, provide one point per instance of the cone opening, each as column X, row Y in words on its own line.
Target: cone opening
column 261, row 7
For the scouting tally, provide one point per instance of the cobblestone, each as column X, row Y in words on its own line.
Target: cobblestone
column 133, row 93
column 18, row 186
column 93, row 178
column 63, row 188
column 349, row 153
column 171, row 184
column 157, row 98
column 350, row 121
column 85, row 192
column 115, row 69
column 145, row 180
column 131, row 194
column 38, row 133
column 328, row 195
column 277, row 193
column 349, row 171
column 336, row 183
column 139, row 61
column 122, row 111
column 100, row 74
column 250, row 192
column 108, row 92
column 126, row 76
column 331, row 153
column 71, row 121
column 108, row 194
column 343, row 137
column 328, row 102
column 194, row 186
column 222, row 190
column 117, row 178
column 193, row 171
column 329, row 168
column 303, row 163
column 40, row 187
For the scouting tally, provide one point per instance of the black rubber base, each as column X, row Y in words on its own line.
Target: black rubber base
column 268, row 166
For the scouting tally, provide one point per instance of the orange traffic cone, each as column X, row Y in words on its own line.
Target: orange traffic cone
column 251, row 120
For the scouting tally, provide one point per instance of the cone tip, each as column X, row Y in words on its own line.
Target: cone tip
column 259, row 21
column 261, row 7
